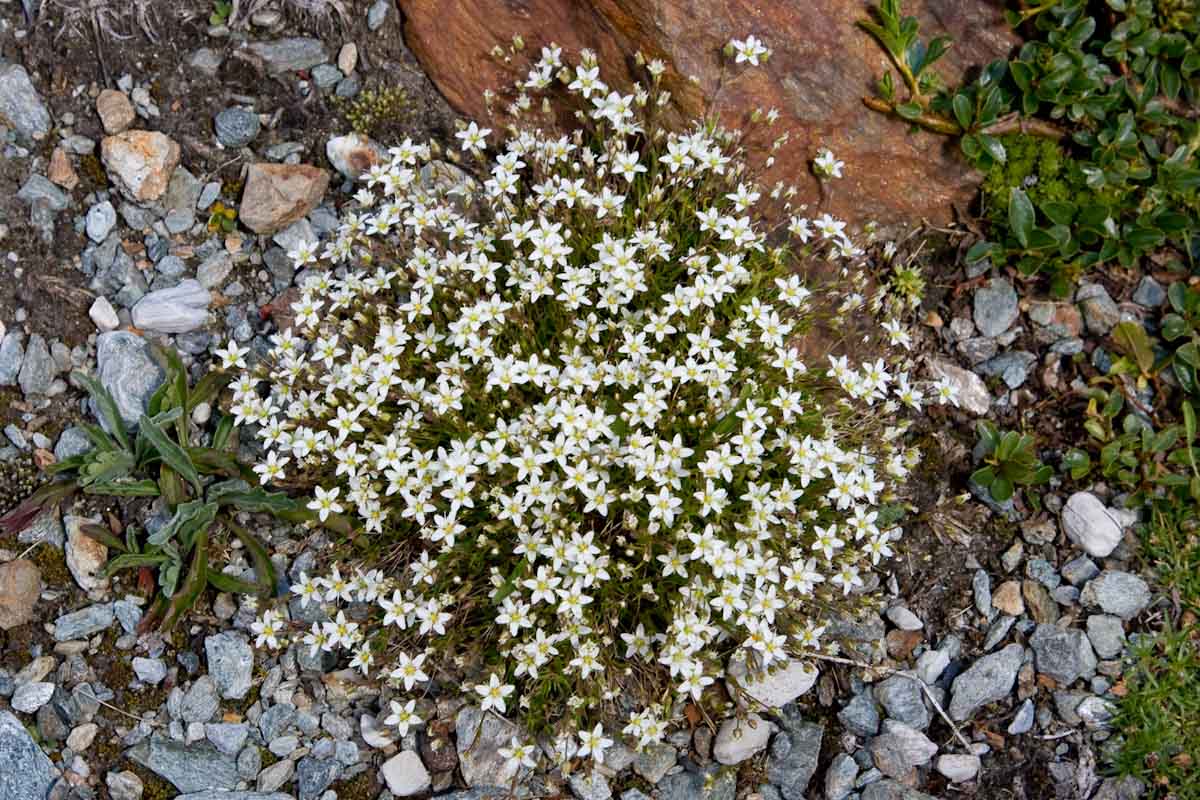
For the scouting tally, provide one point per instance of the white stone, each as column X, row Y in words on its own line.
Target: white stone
column 104, row 315
column 405, row 774
column 972, row 392
column 347, row 58
column 100, row 220
column 904, row 619
column 85, row 556
column 958, row 768
column 179, row 309
column 29, row 697
column 739, row 739
column 1087, row 523
column 82, row 736
column 774, row 689
column 373, row 733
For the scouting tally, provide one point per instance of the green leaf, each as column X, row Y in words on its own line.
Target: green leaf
column 227, row 583
column 263, row 567
column 1189, row 421
column 1133, row 340
column 103, row 535
column 1001, row 489
column 142, row 488
column 963, row 111
column 105, row 466
column 220, row 439
column 241, row 495
column 106, row 405
column 132, row 561
column 196, row 580
column 994, row 148
column 1020, row 215
column 1077, row 462
column 174, row 455
column 909, row 110
column 984, row 476
column 187, row 519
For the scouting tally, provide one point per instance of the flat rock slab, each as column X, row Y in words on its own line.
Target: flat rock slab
column 25, row 771
column 198, row 767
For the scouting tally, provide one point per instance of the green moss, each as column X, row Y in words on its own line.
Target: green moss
column 363, row 786
column 1040, row 167
column 379, row 112
column 52, row 564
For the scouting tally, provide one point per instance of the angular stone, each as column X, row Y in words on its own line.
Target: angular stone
column 115, row 111
column 128, row 371
column 1122, row 594
column 1087, row 522
column 61, row 172
column 20, row 587
column 179, row 309
column 290, row 55
column 989, row 679
column 353, row 155
column 314, row 776
column 201, row 701
column 230, row 663
column 479, row 738
column 197, row 767
column 973, row 394
column 29, row 697
column 140, row 162
column 236, row 127
column 26, row 774
column 861, row 715
column 276, row 195
column 21, row 107
column 149, row 670
column 405, row 775
column 958, row 767
column 655, row 761
column 1062, row 653
column 995, row 308
column 38, row 368
column 104, row 315
column 774, row 688
column 84, row 622
column 739, row 739
column 1107, row 635
column 794, row 754
column 899, row 748
column 903, row 700
column 85, row 556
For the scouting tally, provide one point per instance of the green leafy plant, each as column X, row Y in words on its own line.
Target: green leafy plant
column 1010, row 460
column 221, row 11
column 1150, row 451
column 1112, row 90
column 200, row 487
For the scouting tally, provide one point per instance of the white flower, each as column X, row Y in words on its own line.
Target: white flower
column 594, row 743
column 403, row 716
column 493, row 693
column 325, row 502
column 473, row 137
column 750, row 50
column 826, row 165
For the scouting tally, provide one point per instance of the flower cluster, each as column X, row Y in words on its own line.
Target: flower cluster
column 565, row 403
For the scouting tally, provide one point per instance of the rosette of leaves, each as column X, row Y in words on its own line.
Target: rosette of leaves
column 1141, row 413
column 1115, row 89
column 201, row 487
column 1010, row 460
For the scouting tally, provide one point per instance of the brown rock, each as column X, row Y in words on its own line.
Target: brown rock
column 280, row 309
column 85, row 556
column 61, row 172
column 20, row 585
column 900, row 644
column 1007, row 598
column 353, row 154
column 821, row 67
column 276, row 195
column 1041, row 605
column 115, row 110
column 140, row 162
